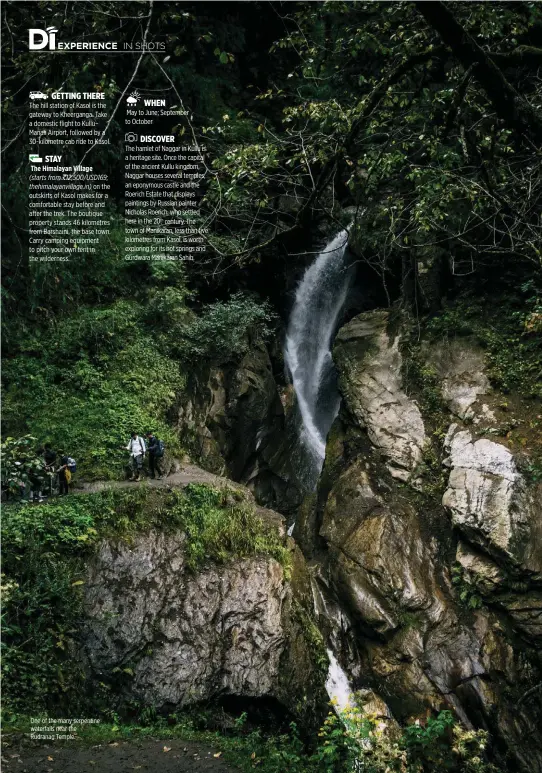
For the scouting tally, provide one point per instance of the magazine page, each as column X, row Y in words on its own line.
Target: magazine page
column 272, row 409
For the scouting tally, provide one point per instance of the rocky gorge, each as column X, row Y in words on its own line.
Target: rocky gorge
column 417, row 558
column 338, row 347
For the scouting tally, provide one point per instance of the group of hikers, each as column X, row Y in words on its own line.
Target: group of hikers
column 51, row 470
column 138, row 450
column 63, row 473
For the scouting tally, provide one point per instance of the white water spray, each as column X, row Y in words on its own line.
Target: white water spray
column 337, row 685
column 319, row 300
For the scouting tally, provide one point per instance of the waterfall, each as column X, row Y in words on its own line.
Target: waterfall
column 319, row 300
column 337, row 684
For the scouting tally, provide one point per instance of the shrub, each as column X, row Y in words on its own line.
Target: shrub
column 220, row 525
column 362, row 743
column 351, row 741
column 21, row 467
column 223, row 330
column 86, row 403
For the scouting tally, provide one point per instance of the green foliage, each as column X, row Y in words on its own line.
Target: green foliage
column 397, row 144
column 21, row 467
column 533, row 470
column 221, row 526
column 348, row 742
column 98, row 375
column 351, row 740
column 423, row 384
column 505, row 327
column 224, row 330
column 421, row 380
column 45, row 551
column 91, row 377
column 467, row 591
column 43, row 548
column 429, row 745
column 314, row 638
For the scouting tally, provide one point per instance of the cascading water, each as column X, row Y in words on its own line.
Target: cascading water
column 319, row 300
column 337, row 685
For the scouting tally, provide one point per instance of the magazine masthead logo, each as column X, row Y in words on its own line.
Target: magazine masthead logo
column 38, row 39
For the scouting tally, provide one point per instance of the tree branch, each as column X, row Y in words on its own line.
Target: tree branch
column 508, row 104
column 375, row 97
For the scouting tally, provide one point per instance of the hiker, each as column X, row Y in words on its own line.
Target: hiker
column 49, row 456
column 49, row 459
column 64, row 476
column 156, row 450
column 137, row 449
column 37, row 493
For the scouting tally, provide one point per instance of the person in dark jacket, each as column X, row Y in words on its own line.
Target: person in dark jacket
column 155, row 448
column 49, row 456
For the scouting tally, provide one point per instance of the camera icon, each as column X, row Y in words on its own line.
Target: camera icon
column 130, row 137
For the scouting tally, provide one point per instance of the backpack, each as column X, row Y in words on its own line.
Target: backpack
column 72, row 466
column 160, row 448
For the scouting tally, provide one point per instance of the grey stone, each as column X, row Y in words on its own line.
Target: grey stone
column 369, row 364
column 489, row 500
column 189, row 637
column 479, row 567
column 460, row 364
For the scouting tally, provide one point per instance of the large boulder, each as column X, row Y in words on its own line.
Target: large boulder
column 460, row 366
column 187, row 637
column 382, row 565
column 369, row 363
column 489, row 500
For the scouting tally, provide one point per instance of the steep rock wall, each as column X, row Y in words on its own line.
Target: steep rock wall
column 233, row 421
column 431, row 593
column 236, row 629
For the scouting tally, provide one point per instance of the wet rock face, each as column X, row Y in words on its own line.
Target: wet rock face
column 369, row 364
column 191, row 637
column 382, row 564
column 400, row 630
column 430, row 603
column 489, row 501
column 229, row 410
column 232, row 420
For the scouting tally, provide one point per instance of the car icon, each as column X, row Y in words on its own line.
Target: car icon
column 38, row 95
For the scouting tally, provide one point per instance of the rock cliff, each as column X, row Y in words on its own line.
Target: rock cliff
column 425, row 545
column 420, row 553
column 242, row 628
column 233, row 422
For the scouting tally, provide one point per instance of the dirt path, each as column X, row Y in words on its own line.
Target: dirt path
column 145, row 756
column 190, row 473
